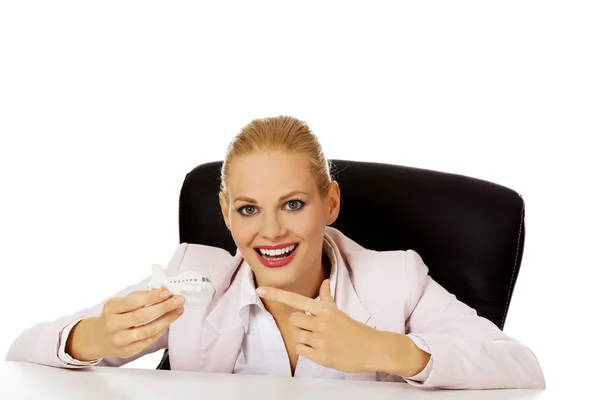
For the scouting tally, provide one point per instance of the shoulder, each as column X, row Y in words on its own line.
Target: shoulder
column 190, row 254
column 215, row 263
column 390, row 261
column 395, row 272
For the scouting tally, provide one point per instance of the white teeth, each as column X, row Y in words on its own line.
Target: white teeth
column 277, row 252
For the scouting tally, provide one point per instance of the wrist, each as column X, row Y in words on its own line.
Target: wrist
column 81, row 343
column 396, row 354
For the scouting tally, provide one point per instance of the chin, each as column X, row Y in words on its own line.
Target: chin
column 278, row 282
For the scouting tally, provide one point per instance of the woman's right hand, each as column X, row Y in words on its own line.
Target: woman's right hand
column 117, row 332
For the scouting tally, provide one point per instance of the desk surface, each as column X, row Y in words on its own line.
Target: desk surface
column 29, row 381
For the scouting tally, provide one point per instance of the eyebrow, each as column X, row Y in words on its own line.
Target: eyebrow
column 249, row 200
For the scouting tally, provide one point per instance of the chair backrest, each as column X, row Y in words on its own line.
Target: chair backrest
column 469, row 232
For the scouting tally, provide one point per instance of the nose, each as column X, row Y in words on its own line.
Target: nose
column 272, row 228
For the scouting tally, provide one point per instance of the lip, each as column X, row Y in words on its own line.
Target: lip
column 277, row 263
column 279, row 246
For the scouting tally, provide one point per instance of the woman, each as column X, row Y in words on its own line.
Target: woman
column 297, row 299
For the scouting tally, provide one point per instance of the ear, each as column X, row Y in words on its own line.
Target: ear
column 333, row 203
column 225, row 209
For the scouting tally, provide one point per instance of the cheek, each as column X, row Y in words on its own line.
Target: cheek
column 309, row 225
column 242, row 230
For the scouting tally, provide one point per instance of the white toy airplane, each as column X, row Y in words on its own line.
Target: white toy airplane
column 197, row 289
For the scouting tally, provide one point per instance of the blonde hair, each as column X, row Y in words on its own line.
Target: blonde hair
column 281, row 133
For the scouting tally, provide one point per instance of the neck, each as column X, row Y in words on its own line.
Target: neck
column 308, row 286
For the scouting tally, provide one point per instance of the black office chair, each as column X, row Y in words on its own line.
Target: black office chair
column 469, row 232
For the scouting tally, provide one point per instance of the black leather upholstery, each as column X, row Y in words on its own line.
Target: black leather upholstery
column 469, row 232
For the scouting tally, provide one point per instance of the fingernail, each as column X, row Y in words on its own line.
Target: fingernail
column 261, row 291
column 179, row 300
column 179, row 310
column 164, row 294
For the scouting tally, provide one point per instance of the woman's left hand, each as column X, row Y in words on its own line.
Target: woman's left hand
column 328, row 337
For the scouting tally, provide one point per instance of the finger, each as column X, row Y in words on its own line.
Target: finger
column 136, row 347
column 303, row 321
column 325, row 292
column 135, row 300
column 291, row 299
column 131, row 335
column 304, row 337
column 145, row 314
column 307, row 352
column 127, row 337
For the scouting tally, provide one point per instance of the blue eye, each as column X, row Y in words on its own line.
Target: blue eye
column 247, row 210
column 290, row 205
column 295, row 205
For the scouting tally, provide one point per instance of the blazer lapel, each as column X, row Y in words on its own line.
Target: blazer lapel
column 222, row 333
column 345, row 296
column 193, row 337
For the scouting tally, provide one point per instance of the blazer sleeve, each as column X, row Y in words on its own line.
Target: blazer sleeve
column 467, row 351
column 40, row 344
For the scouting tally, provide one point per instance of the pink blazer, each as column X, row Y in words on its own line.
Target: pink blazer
column 389, row 291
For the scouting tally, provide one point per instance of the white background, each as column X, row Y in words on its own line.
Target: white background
column 105, row 106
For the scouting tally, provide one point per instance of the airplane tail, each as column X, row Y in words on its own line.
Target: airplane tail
column 159, row 277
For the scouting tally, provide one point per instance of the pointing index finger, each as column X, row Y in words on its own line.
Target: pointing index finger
column 291, row 299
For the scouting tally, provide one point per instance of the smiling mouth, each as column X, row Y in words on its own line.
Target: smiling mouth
column 276, row 255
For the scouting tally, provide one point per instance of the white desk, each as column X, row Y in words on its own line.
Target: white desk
column 29, row 381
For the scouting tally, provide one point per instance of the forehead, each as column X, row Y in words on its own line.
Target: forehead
column 265, row 175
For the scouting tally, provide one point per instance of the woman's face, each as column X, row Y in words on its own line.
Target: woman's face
column 277, row 217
